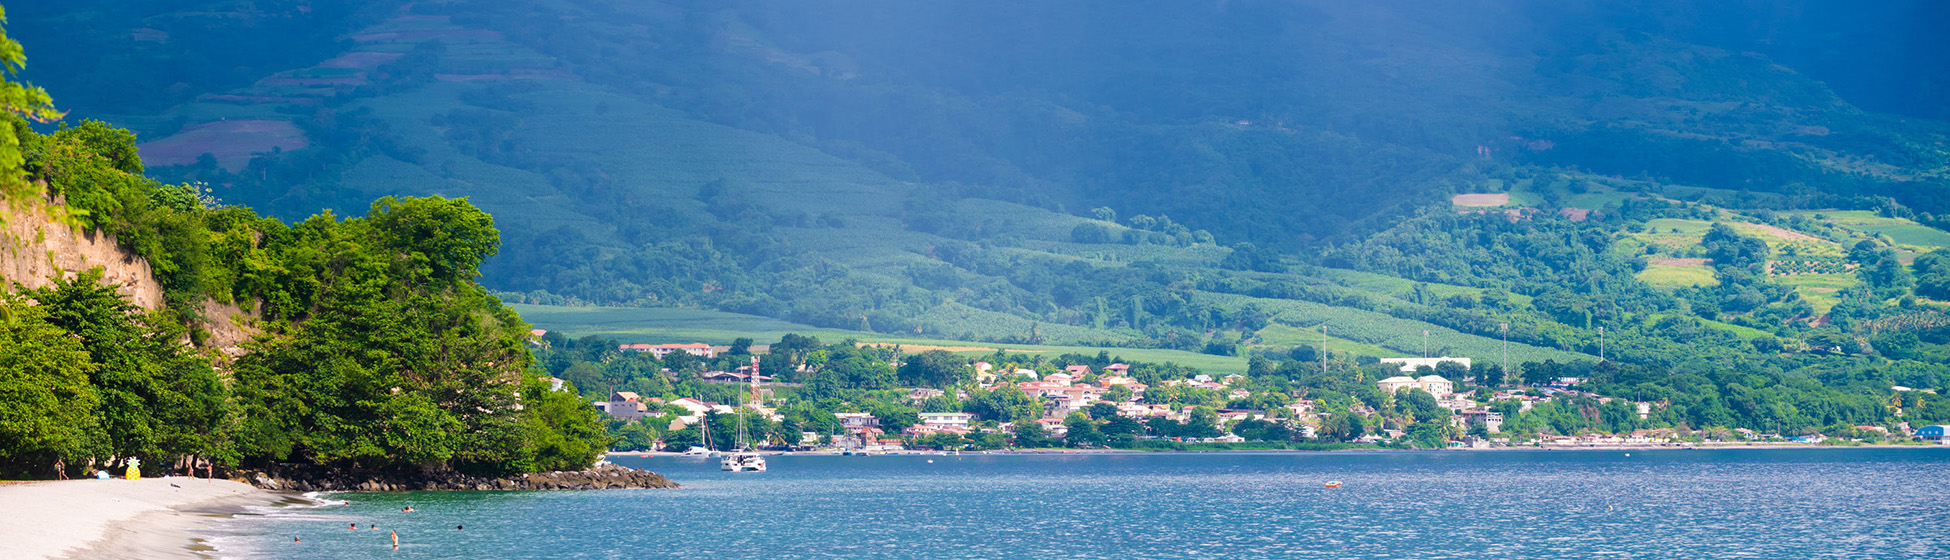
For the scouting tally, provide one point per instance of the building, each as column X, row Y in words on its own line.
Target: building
column 625, row 405
column 853, row 420
column 1936, row 434
column 1490, row 420
column 1078, row 371
column 555, row 383
column 947, row 420
column 1412, row 364
column 1435, row 384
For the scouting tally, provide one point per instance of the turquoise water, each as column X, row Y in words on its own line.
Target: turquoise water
column 1814, row 503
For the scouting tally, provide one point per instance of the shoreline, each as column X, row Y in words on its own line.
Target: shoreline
column 1068, row 451
column 145, row 518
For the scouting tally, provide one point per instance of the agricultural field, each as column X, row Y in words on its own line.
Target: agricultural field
column 1818, row 289
column 667, row 325
column 1282, row 335
column 1392, row 333
column 1678, row 273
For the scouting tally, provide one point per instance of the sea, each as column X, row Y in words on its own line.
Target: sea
column 1730, row 503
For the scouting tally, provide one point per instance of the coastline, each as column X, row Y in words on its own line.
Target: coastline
column 146, row 518
column 1070, row 451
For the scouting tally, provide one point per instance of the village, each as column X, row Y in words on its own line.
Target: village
column 1109, row 406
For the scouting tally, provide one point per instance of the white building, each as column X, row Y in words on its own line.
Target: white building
column 949, row 420
column 1435, row 384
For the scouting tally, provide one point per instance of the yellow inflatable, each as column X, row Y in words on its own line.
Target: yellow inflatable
column 135, row 470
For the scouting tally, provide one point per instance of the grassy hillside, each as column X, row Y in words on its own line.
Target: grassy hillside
column 664, row 326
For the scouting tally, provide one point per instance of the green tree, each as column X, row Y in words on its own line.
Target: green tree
column 935, row 368
column 47, row 404
column 1030, row 435
column 1081, row 431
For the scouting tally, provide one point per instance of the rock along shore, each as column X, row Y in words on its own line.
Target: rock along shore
column 316, row 479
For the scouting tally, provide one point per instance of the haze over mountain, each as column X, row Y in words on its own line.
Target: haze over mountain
column 1204, row 176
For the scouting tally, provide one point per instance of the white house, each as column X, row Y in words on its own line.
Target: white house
column 1435, row 384
column 947, row 420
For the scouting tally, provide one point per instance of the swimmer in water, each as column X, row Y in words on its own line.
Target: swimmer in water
column 395, row 540
column 294, row 540
column 407, row 509
column 459, row 528
column 352, row 526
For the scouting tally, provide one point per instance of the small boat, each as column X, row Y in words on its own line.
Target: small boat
column 742, row 462
column 744, row 459
column 1333, row 484
column 697, row 451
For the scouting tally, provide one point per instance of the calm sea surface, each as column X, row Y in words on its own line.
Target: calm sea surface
column 1817, row 503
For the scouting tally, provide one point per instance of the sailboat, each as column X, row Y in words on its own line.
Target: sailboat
column 703, row 448
column 743, row 459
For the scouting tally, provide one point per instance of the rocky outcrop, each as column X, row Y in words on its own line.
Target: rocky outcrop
column 301, row 479
column 35, row 245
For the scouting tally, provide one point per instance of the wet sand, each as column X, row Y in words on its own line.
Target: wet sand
column 147, row 518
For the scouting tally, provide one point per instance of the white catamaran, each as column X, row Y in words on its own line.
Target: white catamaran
column 743, row 459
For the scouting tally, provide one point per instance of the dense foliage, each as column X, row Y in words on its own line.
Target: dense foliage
column 376, row 348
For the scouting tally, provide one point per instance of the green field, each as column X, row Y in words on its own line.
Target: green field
column 666, row 325
column 1286, row 336
column 1664, row 276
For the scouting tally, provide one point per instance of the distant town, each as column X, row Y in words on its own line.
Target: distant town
column 1018, row 401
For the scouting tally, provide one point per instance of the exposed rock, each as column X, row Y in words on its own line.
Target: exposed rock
column 313, row 479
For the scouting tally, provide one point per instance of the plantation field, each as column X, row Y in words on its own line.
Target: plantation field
column 1392, row 333
column 1677, row 276
column 667, row 325
column 1287, row 336
column 1818, row 289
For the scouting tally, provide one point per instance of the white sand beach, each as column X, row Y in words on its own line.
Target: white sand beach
column 147, row 518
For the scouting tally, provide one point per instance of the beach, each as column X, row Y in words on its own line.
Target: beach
column 146, row 518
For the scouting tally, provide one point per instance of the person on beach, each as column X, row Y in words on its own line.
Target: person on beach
column 395, row 540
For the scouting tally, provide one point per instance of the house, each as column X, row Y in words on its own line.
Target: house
column 555, row 383
column 1117, row 369
column 625, row 405
column 1239, row 394
column 1455, row 403
column 984, row 373
column 1078, row 371
column 1490, row 420
column 1412, row 364
column 947, row 420
column 1397, row 383
column 1434, row 384
column 1026, row 373
column 1054, row 426
column 854, row 420
column 698, row 349
column 1230, row 379
column 924, row 393
column 1936, row 434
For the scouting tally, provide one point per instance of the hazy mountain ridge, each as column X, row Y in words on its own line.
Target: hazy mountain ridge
column 786, row 161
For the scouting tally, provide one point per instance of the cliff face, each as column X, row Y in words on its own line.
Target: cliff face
column 35, row 246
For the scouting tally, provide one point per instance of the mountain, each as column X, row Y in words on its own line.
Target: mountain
column 1229, row 178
